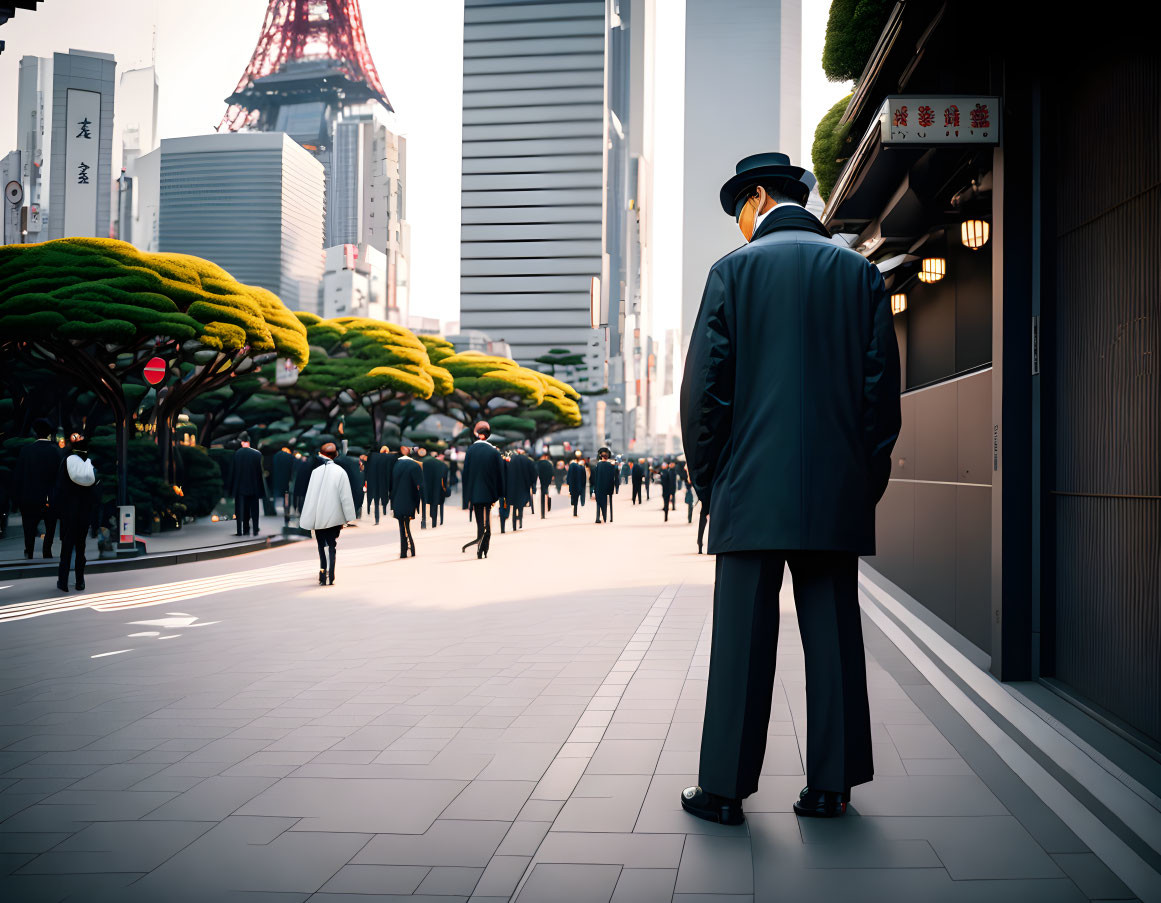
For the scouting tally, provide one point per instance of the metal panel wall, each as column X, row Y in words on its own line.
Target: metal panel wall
column 1106, row 324
column 532, row 165
column 934, row 523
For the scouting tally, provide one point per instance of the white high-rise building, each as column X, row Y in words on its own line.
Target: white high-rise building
column 137, row 101
column 34, row 139
column 82, row 144
column 355, row 284
column 252, row 202
column 742, row 97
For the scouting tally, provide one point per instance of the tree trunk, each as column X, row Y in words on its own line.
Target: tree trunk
column 165, row 445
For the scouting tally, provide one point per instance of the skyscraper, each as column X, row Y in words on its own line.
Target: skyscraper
column 137, row 101
column 82, row 143
column 34, row 138
column 725, row 120
column 252, row 202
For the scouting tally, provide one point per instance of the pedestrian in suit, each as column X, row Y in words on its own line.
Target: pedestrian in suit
column 558, row 475
column 626, row 471
column 32, row 483
column 327, row 507
column 605, row 483
column 435, row 488
column 669, row 488
column 281, row 470
column 577, row 482
column 303, row 467
column 74, row 497
column 789, row 412
column 406, row 497
column 483, row 480
column 522, row 482
column 690, row 499
column 353, row 467
column 638, row 474
column 544, row 473
column 379, row 480
column 248, row 485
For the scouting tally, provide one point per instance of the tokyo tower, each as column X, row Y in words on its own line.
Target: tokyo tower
column 311, row 62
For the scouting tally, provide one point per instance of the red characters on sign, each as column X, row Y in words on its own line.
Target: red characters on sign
column 980, row 117
column 926, row 116
column 901, row 116
column 951, row 117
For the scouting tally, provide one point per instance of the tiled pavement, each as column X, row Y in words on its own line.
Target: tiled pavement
column 389, row 739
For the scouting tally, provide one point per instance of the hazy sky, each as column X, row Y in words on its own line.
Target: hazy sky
column 202, row 49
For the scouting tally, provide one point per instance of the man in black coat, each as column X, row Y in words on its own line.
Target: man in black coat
column 640, row 471
column 626, row 471
column 668, row 480
column 435, row 488
column 248, row 485
column 544, row 473
column 32, row 483
column 789, row 412
column 281, row 468
column 577, row 479
column 74, row 497
column 521, row 484
column 406, row 497
column 483, row 481
column 304, row 465
column 379, row 479
column 605, row 483
column 353, row 468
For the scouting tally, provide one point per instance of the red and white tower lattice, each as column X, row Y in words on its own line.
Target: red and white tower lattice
column 328, row 32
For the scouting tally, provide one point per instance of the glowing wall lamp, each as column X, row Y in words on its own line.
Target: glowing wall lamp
column 898, row 303
column 932, row 269
column 974, row 233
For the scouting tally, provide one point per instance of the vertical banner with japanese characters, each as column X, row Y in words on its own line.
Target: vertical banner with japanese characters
column 83, row 131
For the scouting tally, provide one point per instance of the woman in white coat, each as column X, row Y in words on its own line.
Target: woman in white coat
column 327, row 507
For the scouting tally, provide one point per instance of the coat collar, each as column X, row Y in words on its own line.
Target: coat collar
column 790, row 217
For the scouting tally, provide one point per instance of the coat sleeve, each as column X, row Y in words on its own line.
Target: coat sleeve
column 707, row 388
column 347, row 500
column 882, row 416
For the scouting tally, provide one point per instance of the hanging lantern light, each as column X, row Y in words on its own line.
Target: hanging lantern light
column 932, row 269
column 898, row 303
column 974, row 233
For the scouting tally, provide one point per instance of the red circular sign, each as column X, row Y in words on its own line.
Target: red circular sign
column 154, row 371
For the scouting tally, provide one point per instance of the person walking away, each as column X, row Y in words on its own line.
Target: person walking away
column 577, row 482
column 378, row 480
column 74, row 496
column 303, row 467
column 604, row 485
column 669, row 488
column 792, row 371
column 544, row 473
column 626, row 471
column 435, row 488
column 406, row 497
column 353, row 467
column 327, row 506
column 559, row 473
column 281, row 469
column 523, row 483
column 32, row 483
column 483, row 485
column 248, row 486
column 638, row 475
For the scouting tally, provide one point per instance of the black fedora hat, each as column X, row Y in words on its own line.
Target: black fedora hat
column 771, row 169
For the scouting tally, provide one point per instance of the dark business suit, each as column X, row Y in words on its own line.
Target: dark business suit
column 74, row 505
column 378, row 481
column 604, row 485
column 32, row 482
column 435, row 488
column 483, row 480
column 303, row 468
column 281, row 469
column 789, row 412
column 406, row 499
column 544, row 473
column 248, row 486
column 521, row 483
column 353, row 468
column 668, row 490
column 638, row 481
column 577, row 479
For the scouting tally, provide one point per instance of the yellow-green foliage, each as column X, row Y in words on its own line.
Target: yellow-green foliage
column 99, row 289
column 438, row 347
column 484, row 377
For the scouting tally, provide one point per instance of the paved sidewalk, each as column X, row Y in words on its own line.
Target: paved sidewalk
column 447, row 729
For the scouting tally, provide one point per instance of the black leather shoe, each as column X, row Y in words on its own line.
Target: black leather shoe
column 821, row 803
column 712, row 807
column 80, row 584
column 62, row 586
column 322, row 577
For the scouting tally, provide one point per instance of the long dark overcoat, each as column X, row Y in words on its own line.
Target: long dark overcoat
column 434, row 481
column 483, row 478
column 790, row 401
column 406, row 488
column 247, row 477
column 521, row 480
column 605, row 478
column 578, row 479
column 281, row 468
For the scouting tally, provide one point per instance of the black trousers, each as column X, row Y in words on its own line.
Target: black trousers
column 328, row 540
column 576, row 500
column 31, row 516
column 246, row 509
column 74, row 531
column 636, row 493
column 543, row 502
column 517, row 517
column 702, row 520
column 483, row 526
column 742, row 659
column 689, row 518
column 666, row 502
column 435, row 512
column 604, row 502
column 406, row 542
